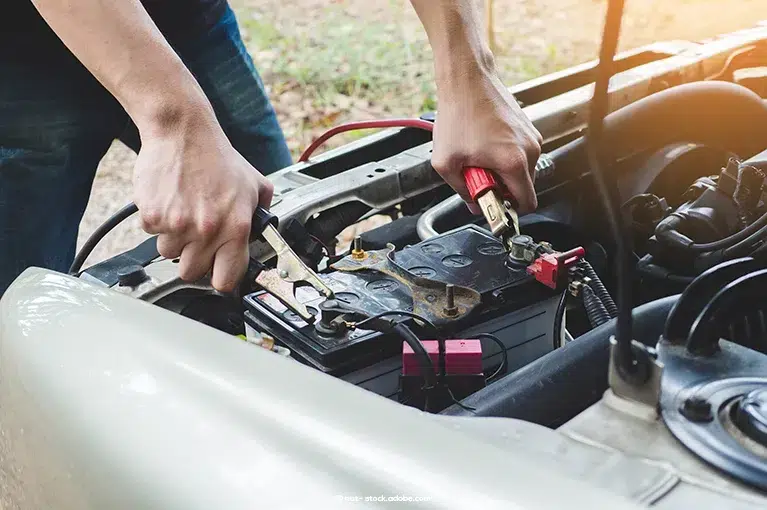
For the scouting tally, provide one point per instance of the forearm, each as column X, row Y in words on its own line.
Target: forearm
column 121, row 46
column 457, row 37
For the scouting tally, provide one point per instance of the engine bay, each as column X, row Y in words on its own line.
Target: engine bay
column 430, row 310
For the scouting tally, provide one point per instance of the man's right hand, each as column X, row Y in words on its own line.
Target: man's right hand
column 199, row 194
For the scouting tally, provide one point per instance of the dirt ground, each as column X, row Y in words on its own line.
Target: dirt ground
column 533, row 37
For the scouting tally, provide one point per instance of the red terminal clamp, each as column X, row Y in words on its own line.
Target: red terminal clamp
column 492, row 199
column 551, row 268
column 478, row 181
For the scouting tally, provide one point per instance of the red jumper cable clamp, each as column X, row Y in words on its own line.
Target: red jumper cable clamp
column 489, row 196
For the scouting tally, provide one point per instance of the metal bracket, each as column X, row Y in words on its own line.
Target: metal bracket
column 433, row 300
column 648, row 392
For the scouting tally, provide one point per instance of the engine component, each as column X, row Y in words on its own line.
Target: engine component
column 645, row 212
column 490, row 294
column 551, row 269
column 723, row 218
column 714, row 210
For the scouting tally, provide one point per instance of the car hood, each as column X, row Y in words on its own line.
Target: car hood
column 110, row 402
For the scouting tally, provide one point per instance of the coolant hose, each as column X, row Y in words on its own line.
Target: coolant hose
column 595, row 310
column 717, row 114
column 330, row 223
column 599, row 289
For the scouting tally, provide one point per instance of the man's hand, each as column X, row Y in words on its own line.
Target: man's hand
column 198, row 193
column 191, row 186
column 479, row 124
column 478, row 121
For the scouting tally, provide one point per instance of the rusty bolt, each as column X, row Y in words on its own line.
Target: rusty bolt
column 450, row 308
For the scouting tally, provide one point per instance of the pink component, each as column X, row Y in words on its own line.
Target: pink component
column 410, row 363
column 463, row 357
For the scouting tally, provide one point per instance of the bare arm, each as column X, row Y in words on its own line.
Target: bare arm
column 191, row 186
column 119, row 43
column 479, row 123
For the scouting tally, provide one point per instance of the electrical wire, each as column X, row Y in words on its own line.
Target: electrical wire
column 599, row 288
column 746, row 245
column 365, row 124
column 388, row 313
column 595, row 309
column 427, row 367
column 99, row 234
column 756, row 229
column 559, row 316
column 598, row 110
column 504, row 354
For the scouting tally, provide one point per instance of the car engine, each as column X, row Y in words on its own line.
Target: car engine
column 523, row 347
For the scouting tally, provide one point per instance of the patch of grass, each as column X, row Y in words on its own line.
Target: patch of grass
column 341, row 69
column 337, row 54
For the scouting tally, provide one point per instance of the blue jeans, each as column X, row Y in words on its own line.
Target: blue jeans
column 57, row 122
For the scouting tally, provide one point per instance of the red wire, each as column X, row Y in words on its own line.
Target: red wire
column 365, row 124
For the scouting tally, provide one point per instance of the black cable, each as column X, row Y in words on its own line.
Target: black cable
column 756, row 229
column 595, row 309
column 598, row 111
column 427, row 367
column 404, row 314
column 99, row 234
column 504, row 354
column 559, row 316
column 458, row 402
column 599, row 288
column 747, row 245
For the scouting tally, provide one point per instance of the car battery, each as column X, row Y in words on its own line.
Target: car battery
column 513, row 306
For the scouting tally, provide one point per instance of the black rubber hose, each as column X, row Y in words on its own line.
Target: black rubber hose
column 595, row 310
column 735, row 299
column 599, row 288
column 717, row 114
column 99, row 234
column 559, row 385
column 330, row 223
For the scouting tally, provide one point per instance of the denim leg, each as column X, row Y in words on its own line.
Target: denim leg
column 55, row 126
column 229, row 78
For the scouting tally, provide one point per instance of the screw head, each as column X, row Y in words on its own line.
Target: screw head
column 697, row 409
column 283, row 274
column 131, row 276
